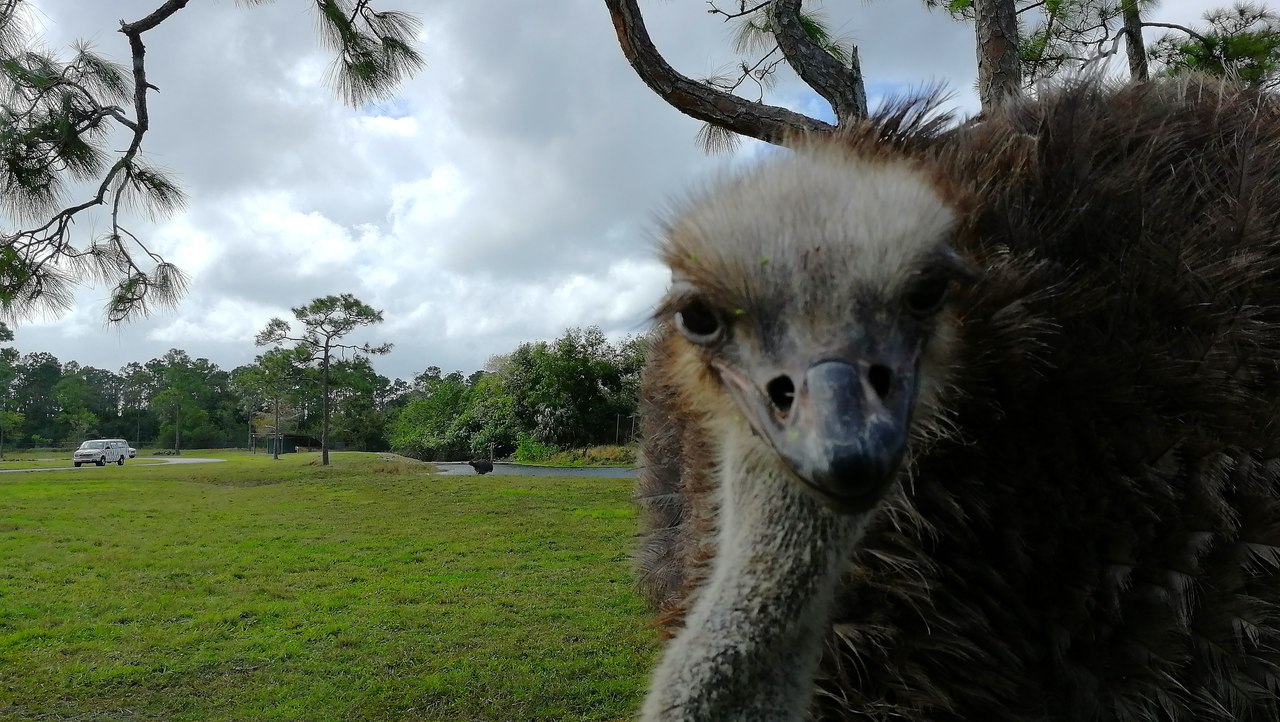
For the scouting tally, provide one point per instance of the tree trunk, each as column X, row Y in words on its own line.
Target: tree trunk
column 1138, row 70
column 177, row 430
column 324, row 422
column 275, row 432
column 999, row 67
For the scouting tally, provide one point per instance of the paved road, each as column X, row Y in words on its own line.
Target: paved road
column 158, row 461
column 457, row 468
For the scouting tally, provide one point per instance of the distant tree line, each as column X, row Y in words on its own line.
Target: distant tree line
column 577, row 390
column 168, row 401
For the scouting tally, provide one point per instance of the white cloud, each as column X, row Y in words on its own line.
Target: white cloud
column 226, row 321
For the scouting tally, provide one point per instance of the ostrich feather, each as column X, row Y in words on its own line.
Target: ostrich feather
column 1091, row 532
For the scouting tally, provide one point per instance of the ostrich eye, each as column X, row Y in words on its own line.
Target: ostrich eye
column 927, row 294
column 699, row 323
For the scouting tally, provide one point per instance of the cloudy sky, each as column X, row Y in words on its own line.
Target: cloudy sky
column 507, row 192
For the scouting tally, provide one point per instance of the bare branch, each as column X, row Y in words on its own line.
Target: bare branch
column 134, row 32
column 1101, row 54
column 1181, row 28
column 758, row 73
column 156, row 17
column 744, row 11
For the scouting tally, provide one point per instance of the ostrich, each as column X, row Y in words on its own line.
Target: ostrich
column 976, row 423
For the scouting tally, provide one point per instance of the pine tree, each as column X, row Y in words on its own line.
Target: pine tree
column 325, row 321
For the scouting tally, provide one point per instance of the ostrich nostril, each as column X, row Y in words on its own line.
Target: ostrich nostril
column 881, row 379
column 782, row 391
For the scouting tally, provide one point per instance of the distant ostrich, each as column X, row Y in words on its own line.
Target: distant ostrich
column 977, row 423
column 481, row 466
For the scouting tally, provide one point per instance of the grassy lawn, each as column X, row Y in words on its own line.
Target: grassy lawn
column 369, row 590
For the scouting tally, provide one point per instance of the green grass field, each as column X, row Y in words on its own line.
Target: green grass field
column 369, row 590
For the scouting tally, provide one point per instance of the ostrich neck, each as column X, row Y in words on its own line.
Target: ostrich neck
column 753, row 638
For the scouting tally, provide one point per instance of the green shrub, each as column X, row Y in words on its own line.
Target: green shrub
column 596, row 456
column 529, row 449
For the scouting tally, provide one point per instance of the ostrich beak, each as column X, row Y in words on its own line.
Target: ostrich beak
column 842, row 430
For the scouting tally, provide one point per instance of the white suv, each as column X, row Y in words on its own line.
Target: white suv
column 101, row 452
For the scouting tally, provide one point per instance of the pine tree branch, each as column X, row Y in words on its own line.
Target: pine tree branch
column 359, row 7
column 8, row 8
column 768, row 123
column 45, row 244
column 840, row 86
column 62, row 112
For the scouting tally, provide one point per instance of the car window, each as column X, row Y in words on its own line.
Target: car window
column 93, row 445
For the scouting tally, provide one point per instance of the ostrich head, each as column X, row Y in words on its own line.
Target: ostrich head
column 809, row 327
column 810, row 297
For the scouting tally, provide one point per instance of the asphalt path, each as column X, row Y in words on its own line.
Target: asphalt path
column 135, row 462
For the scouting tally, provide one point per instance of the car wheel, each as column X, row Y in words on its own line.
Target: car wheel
column 120, row 461
column 77, row 465
column 101, row 462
